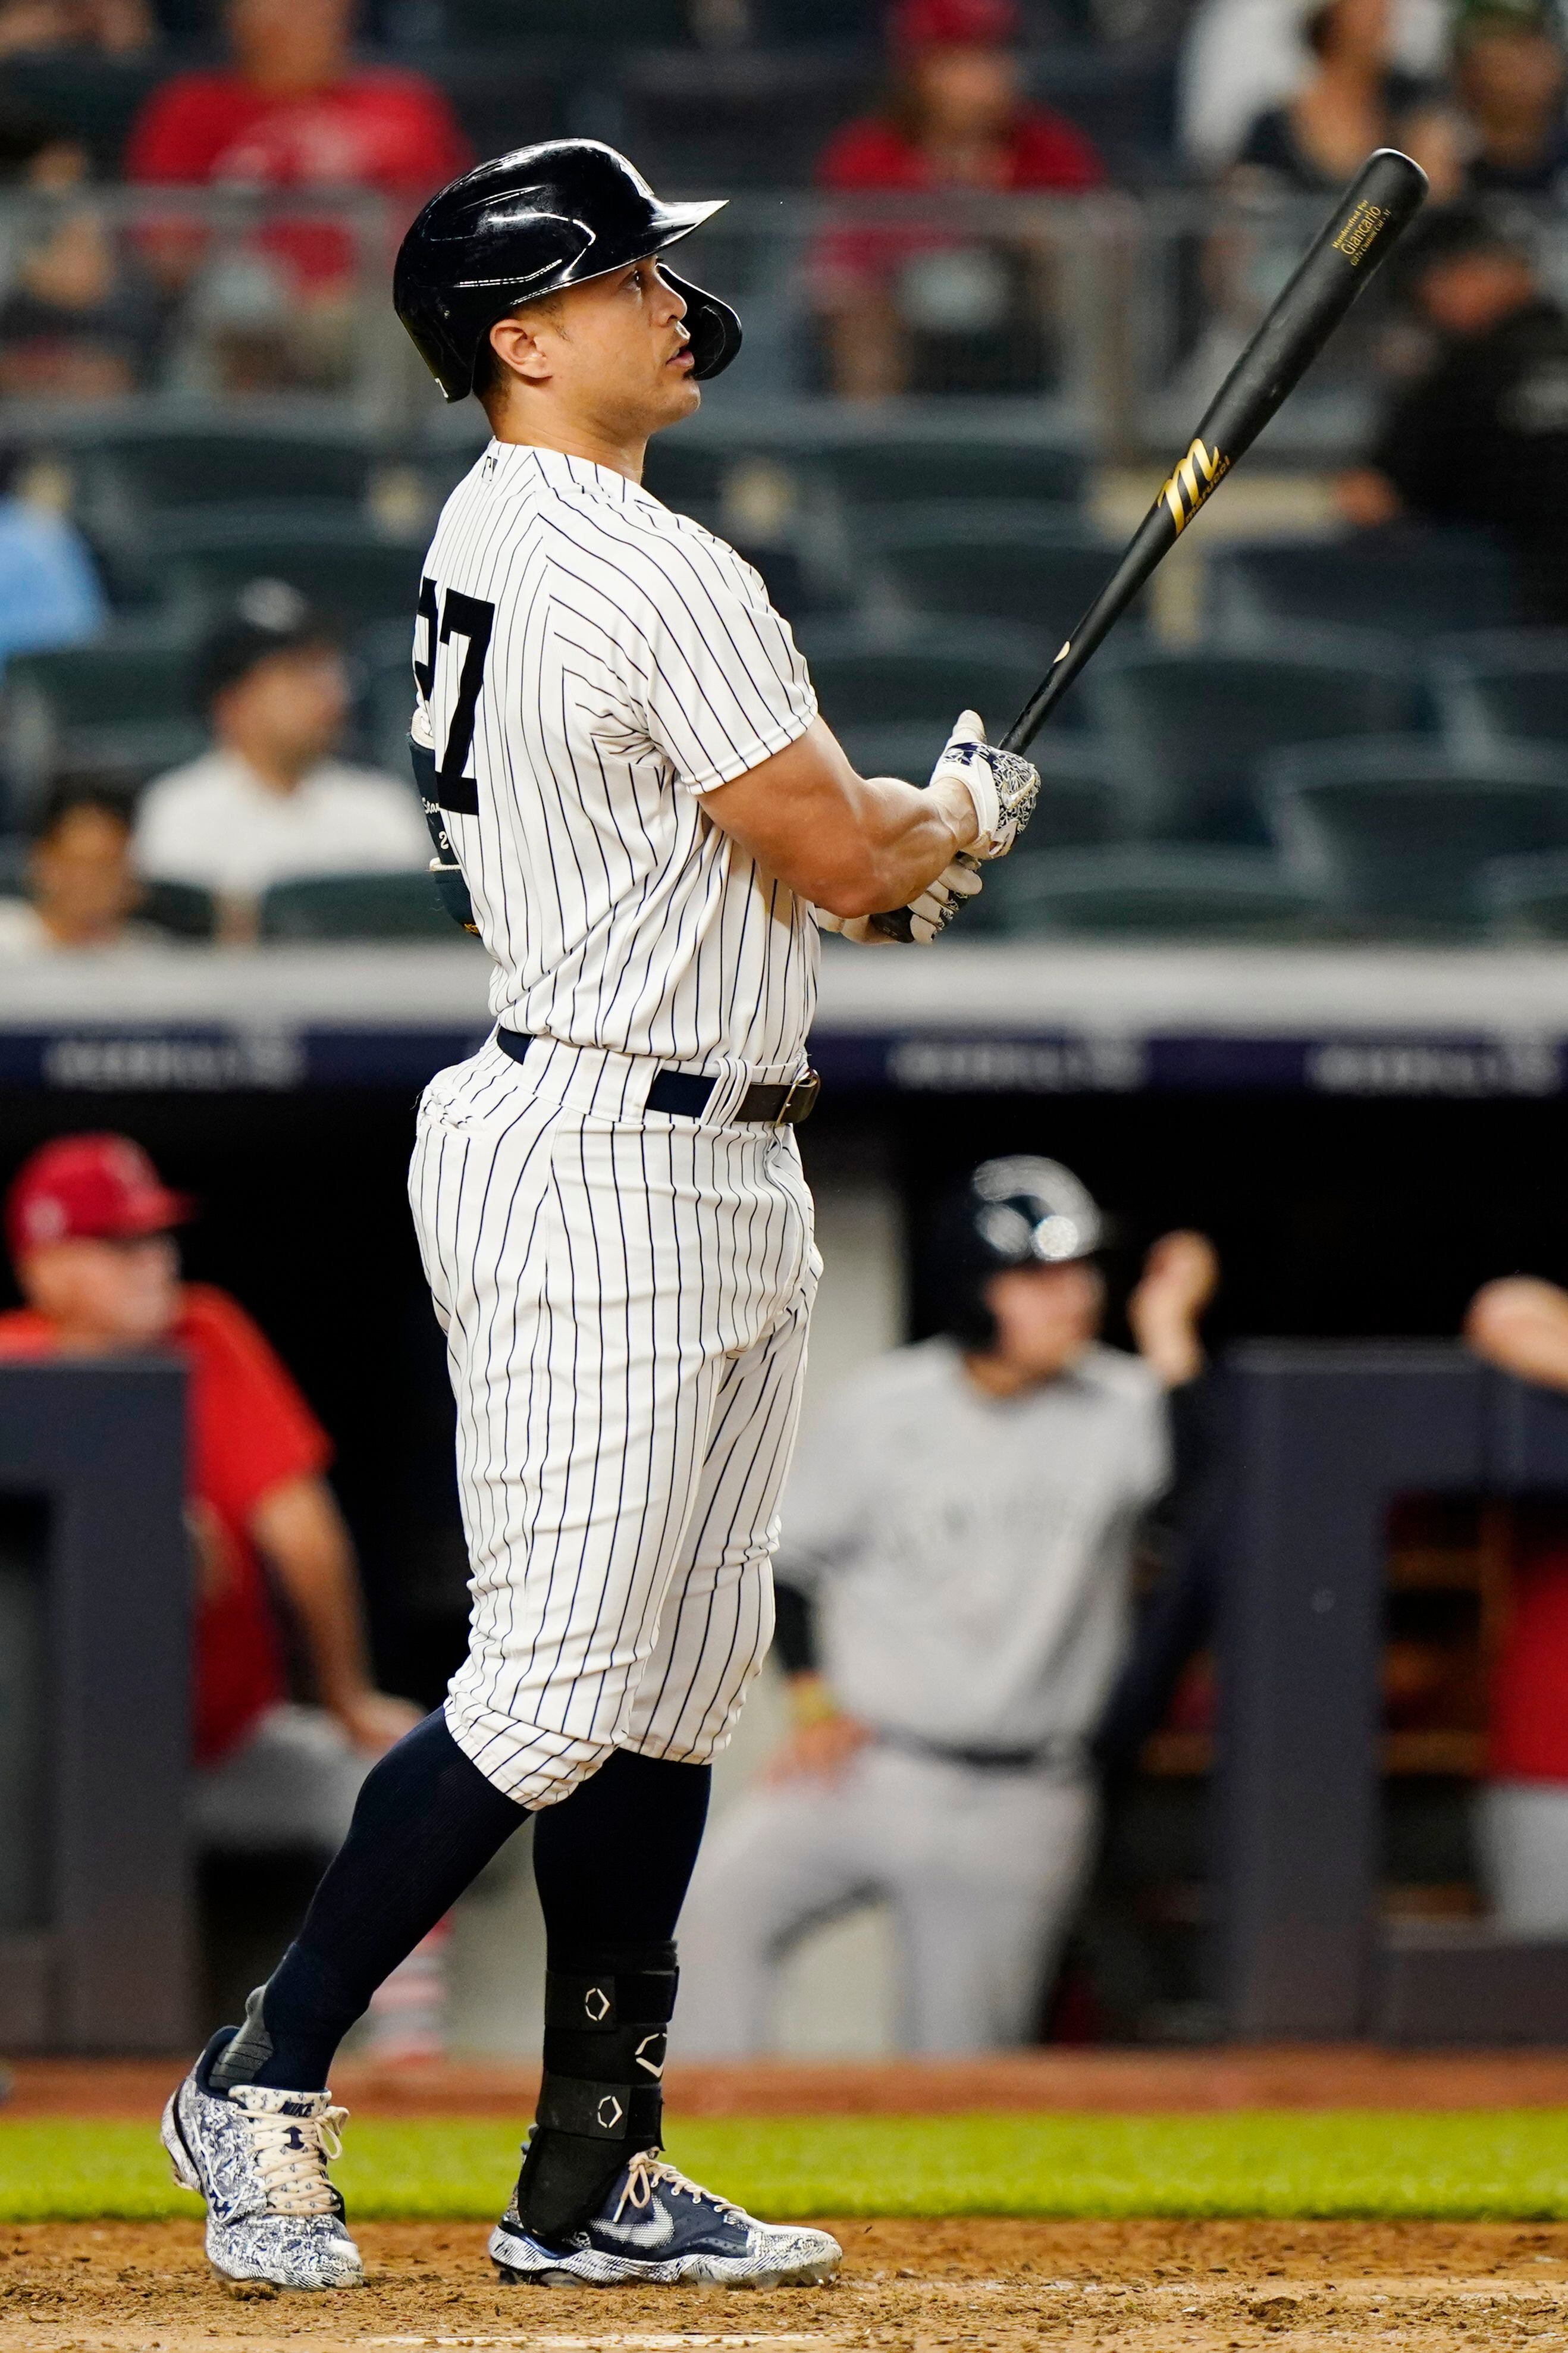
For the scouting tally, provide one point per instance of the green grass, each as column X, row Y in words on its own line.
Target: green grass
column 1512, row 2164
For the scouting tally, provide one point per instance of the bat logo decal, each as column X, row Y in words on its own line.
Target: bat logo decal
column 1191, row 483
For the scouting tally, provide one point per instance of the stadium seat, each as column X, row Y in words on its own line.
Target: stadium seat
column 355, row 907
column 898, row 692
column 1150, row 888
column 1501, row 687
column 348, row 570
column 739, row 117
column 129, row 476
column 1406, row 582
column 610, row 24
column 183, row 908
column 988, row 561
column 1125, row 102
column 1526, row 898
column 1186, row 729
column 875, row 465
column 1394, row 832
column 96, row 98
column 527, row 100
column 121, row 708
column 781, row 23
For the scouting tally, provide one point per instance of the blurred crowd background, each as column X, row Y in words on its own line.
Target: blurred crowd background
column 993, row 256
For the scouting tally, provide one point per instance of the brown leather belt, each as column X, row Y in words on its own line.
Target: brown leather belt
column 686, row 1094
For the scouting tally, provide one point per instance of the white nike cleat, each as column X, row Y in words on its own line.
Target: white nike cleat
column 659, row 2230
column 259, row 2159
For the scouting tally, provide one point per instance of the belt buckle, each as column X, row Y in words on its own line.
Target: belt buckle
column 800, row 1099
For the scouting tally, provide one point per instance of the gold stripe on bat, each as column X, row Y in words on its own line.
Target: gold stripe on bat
column 1191, row 483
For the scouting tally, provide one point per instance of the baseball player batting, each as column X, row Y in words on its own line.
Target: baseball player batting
column 639, row 810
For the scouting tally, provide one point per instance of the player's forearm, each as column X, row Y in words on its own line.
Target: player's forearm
column 900, row 839
column 852, row 845
column 300, row 1529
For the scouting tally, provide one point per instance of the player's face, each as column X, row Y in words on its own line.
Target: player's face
column 106, row 1294
column 1474, row 291
column 81, row 877
column 289, row 709
column 619, row 357
column 1045, row 1316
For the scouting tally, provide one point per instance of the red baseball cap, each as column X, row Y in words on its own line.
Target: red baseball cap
column 955, row 24
column 90, row 1187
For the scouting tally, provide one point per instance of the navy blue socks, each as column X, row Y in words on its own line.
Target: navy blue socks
column 612, row 1861
column 426, row 1824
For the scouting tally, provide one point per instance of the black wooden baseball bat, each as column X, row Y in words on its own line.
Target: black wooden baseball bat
column 1379, row 203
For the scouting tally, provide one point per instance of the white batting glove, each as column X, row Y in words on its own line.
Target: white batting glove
column 938, row 903
column 922, row 920
column 1003, row 787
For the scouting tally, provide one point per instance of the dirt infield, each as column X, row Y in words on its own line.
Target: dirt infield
column 908, row 2287
column 1119, row 2082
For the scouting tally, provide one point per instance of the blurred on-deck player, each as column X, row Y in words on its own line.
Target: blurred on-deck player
column 623, row 750
column 954, row 1601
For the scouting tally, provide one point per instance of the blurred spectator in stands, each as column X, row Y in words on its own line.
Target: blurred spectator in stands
column 954, row 1601
column 905, row 308
column 295, row 111
column 50, row 592
column 113, row 28
column 1352, row 101
column 1521, row 1325
column 80, row 319
column 1509, row 76
column 82, row 890
column 270, row 802
column 91, row 1226
column 1241, row 57
column 1481, row 437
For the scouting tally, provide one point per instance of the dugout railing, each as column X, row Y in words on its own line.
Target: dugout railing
column 1101, row 323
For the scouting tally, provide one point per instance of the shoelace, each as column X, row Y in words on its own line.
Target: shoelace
column 291, row 2154
column 650, row 2168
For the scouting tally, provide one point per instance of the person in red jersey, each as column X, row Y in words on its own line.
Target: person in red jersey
column 295, row 111
column 1521, row 1325
column 904, row 310
column 91, row 1228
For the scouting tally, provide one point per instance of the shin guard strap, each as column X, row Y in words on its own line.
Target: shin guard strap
column 612, row 2111
column 599, row 2004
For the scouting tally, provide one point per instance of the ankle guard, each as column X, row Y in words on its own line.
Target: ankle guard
column 606, row 2017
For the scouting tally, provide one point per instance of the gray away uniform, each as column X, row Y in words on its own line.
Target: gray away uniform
column 969, row 1559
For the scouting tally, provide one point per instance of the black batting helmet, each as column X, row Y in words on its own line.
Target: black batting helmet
column 528, row 225
column 1018, row 1211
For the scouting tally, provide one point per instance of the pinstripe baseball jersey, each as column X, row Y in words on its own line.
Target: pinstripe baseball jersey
column 593, row 665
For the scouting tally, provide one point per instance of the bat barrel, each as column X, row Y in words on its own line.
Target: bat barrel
column 1379, row 203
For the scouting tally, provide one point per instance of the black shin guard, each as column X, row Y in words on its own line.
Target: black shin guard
column 606, row 2017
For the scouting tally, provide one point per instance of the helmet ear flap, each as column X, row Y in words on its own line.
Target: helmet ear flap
column 713, row 327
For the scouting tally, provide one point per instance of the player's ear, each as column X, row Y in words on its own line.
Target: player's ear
column 515, row 343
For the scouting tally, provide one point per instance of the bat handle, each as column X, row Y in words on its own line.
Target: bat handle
column 1042, row 703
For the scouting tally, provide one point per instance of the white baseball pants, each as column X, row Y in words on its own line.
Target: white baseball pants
column 625, row 1296
column 983, row 1869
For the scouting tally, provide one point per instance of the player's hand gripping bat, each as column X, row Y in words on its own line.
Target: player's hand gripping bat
column 1379, row 203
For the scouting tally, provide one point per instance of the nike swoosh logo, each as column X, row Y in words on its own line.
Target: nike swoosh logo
column 655, row 2230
